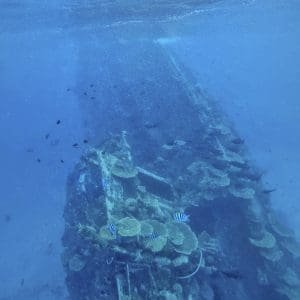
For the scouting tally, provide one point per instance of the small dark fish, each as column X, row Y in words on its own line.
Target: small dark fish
column 38, row 160
column 47, row 136
column 58, row 122
column 75, row 145
column 234, row 274
column 29, row 150
column 92, row 98
column 7, row 218
column 85, row 141
column 238, row 141
column 62, row 161
column 150, row 125
column 68, row 89
column 85, row 93
column 22, row 282
column 91, row 85
column 269, row 191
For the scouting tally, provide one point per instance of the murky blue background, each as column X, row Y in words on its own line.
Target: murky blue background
column 245, row 54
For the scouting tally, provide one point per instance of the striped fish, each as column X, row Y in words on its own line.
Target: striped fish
column 152, row 236
column 181, row 217
column 112, row 229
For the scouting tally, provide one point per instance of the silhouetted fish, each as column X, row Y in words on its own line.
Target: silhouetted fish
column 238, row 141
column 269, row 191
column 29, row 150
column 150, row 125
column 91, row 85
column 38, row 160
column 58, row 122
column 233, row 274
column 47, row 136
column 85, row 141
column 68, row 89
column 75, row 145
column 22, row 282
column 62, row 161
column 7, row 218
column 85, row 93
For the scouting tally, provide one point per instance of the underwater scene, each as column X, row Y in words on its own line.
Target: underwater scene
column 150, row 150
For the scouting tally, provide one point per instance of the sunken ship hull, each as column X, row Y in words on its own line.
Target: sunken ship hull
column 171, row 151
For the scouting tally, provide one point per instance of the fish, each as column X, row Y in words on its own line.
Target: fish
column 75, row 145
column 7, row 218
column 181, row 217
column 22, row 282
column 38, row 160
column 29, row 150
column 233, row 274
column 149, row 125
column 62, row 161
column 47, row 136
column 238, row 141
column 112, row 229
column 85, row 141
column 152, row 236
column 266, row 191
column 68, row 89
column 58, row 122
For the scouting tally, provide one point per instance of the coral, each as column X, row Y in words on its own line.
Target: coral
column 291, row 246
column 131, row 204
column 157, row 243
column 211, row 176
column 229, row 156
column 146, row 229
column 291, row 278
column 290, row 293
column 242, row 193
column 175, row 236
column 279, row 228
column 180, row 260
column 167, row 295
column 208, row 244
column 162, row 261
column 272, row 254
column 76, row 263
column 190, row 241
column 105, row 234
column 267, row 241
column 123, row 168
column 128, row 227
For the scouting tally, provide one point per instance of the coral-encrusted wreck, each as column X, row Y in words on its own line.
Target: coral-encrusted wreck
column 121, row 239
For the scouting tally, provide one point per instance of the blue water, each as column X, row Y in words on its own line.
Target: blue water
column 245, row 54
